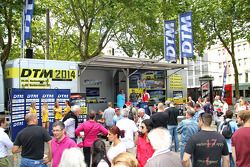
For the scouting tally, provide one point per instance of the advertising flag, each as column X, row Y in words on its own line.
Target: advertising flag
column 224, row 80
column 27, row 18
column 169, row 40
column 186, row 35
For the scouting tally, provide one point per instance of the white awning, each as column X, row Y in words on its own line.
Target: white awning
column 129, row 63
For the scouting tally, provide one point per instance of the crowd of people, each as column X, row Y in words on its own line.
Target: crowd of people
column 127, row 136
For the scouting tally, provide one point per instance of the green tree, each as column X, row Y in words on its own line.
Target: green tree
column 10, row 15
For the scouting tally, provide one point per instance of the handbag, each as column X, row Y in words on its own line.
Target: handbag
column 81, row 144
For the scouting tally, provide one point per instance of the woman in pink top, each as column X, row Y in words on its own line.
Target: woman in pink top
column 91, row 129
column 144, row 148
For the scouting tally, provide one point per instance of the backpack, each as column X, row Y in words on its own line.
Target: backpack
column 226, row 130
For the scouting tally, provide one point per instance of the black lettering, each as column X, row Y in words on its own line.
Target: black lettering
column 57, row 73
column 26, row 72
column 73, row 74
column 36, row 71
column 46, row 74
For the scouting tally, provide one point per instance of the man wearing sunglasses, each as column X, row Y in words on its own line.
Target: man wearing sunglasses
column 206, row 147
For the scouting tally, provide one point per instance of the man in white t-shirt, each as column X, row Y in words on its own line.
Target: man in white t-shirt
column 130, row 131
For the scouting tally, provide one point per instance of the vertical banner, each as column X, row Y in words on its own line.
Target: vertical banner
column 224, row 80
column 21, row 100
column 186, row 35
column 169, row 40
column 27, row 18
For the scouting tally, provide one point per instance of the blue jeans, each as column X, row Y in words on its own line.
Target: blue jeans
column 182, row 149
column 173, row 132
column 25, row 162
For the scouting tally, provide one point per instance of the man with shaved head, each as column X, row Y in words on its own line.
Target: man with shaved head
column 30, row 142
column 91, row 129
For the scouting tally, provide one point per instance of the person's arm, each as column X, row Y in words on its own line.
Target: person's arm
column 186, row 160
column 79, row 129
column 103, row 130
column 180, row 127
column 234, row 153
column 16, row 149
column 225, row 161
column 49, row 155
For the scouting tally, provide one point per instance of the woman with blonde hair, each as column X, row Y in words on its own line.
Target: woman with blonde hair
column 125, row 159
column 32, row 108
column 57, row 111
column 45, row 116
column 66, row 110
column 72, row 157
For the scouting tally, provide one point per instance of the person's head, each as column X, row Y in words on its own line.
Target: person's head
column 144, row 90
column 160, row 138
column 121, row 91
column 67, row 103
column 160, row 107
column 33, row 104
column 3, row 122
column 167, row 103
column 190, row 98
column 241, row 101
column 58, row 129
column 229, row 114
column 207, row 99
column 72, row 157
column 197, row 107
column 99, row 152
column 117, row 111
column 125, row 159
column 190, row 104
column 125, row 112
column 115, row 133
column 244, row 116
column 146, row 126
column 171, row 104
column 205, row 120
column 109, row 104
column 57, row 103
column 200, row 100
column 92, row 115
column 31, row 119
column 190, row 112
column 133, row 91
column 76, row 109
column 217, row 97
column 141, row 112
column 45, row 105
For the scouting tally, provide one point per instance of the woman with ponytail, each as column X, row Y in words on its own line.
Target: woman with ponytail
column 117, row 146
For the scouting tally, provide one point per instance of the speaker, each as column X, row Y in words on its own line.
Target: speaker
column 29, row 53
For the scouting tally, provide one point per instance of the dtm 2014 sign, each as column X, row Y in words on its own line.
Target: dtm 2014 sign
column 22, row 98
column 186, row 35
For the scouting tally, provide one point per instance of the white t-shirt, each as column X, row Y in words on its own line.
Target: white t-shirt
column 103, row 163
column 130, row 128
column 70, row 127
column 115, row 150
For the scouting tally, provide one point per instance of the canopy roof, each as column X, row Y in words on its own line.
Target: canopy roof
column 129, row 62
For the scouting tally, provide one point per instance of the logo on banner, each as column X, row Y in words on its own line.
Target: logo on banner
column 169, row 40
column 186, row 35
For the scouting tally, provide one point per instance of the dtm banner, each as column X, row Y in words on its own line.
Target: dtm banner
column 169, row 40
column 186, row 35
column 22, row 98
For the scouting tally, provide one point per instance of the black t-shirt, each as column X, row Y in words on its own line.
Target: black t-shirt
column 172, row 114
column 159, row 119
column 207, row 147
column 32, row 140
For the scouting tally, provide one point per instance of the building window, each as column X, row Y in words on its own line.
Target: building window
column 245, row 61
column 238, row 47
column 239, row 61
column 197, row 70
column 240, row 77
column 220, row 66
column 244, row 46
column 246, row 77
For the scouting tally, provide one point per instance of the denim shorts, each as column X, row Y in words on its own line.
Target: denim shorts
column 26, row 162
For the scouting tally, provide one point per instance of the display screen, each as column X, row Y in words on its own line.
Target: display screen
column 92, row 92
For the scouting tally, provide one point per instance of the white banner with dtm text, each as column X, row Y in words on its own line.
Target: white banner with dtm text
column 186, row 35
column 169, row 40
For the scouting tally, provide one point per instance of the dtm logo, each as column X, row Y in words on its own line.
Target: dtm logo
column 48, row 96
column 32, row 96
column 18, row 97
column 62, row 96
